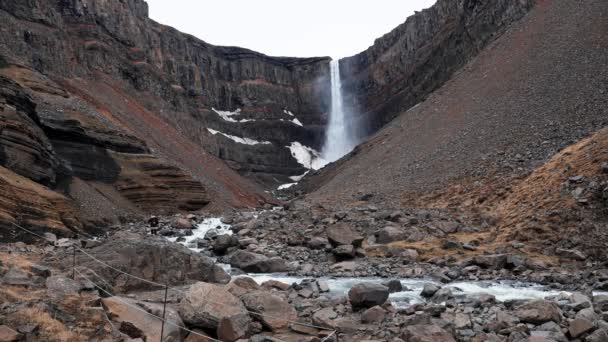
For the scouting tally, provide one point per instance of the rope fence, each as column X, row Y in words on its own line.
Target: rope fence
column 333, row 333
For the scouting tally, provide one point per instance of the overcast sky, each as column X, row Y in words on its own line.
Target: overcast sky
column 336, row 28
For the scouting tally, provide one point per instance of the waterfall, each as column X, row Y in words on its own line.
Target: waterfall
column 339, row 139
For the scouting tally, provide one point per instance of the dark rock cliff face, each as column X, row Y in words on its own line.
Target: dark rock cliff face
column 403, row 67
column 182, row 78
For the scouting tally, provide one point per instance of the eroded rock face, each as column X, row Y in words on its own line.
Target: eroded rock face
column 154, row 259
column 407, row 64
column 187, row 81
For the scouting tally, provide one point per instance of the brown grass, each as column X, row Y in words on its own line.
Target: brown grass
column 50, row 328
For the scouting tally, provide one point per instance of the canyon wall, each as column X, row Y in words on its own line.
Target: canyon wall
column 404, row 66
column 181, row 79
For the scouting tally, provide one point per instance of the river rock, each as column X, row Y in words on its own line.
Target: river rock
column 206, row 305
column 426, row 333
column 223, row 242
column 494, row 261
column 373, row 315
column 276, row 312
column 428, row 290
column 538, row 312
column 579, row 326
column 367, row 295
column 123, row 311
column 257, row 263
column 393, row 285
column 342, row 234
column 325, row 317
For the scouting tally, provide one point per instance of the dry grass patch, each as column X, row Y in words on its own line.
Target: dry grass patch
column 50, row 329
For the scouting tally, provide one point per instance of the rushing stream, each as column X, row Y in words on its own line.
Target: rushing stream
column 502, row 290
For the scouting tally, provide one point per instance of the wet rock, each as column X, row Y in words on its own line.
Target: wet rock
column 205, row 305
column 373, row 315
column 135, row 322
column 275, row 284
column 257, row 263
column 580, row 326
column 276, row 312
column 442, row 295
column 367, row 295
column 538, row 312
column 342, row 234
column 429, row 290
column 393, row 285
column 426, row 333
column 223, row 242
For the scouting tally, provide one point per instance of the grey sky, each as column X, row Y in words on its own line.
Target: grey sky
column 336, row 28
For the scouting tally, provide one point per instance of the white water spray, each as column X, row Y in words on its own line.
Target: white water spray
column 339, row 138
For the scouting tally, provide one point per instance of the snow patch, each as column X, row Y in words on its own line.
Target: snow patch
column 306, row 156
column 295, row 120
column 240, row 140
column 298, row 178
column 286, row 186
column 227, row 115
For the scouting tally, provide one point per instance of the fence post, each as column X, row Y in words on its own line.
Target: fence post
column 162, row 329
column 73, row 260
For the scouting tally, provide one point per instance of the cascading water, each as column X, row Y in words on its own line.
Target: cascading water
column 339, row 139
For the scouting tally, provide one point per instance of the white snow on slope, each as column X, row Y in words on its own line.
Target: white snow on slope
column 295, row 120
column 306, row 156
column 227, row 115
column 286, row 186
column 239, row 140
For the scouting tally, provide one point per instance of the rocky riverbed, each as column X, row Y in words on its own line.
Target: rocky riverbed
column 301, row 273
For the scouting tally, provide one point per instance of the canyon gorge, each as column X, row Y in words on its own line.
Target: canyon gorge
column 366, row 198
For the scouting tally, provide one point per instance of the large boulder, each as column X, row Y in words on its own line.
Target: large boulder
column 277, row 312
column 137, row 324
column 342, row 234
column 257, row 263
column 210, row 306
column 389, row 234
column 493, row 261
column 367, row 295
column 426, row 333
column 150, row 258
column 539, row 312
